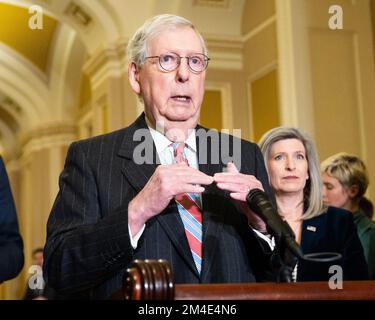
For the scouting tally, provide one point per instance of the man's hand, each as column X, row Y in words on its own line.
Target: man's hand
column 239, row 185
column 166, row 182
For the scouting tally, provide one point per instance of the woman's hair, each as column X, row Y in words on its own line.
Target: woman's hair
column 137, row 49
column 313, row 202
column 366, row 207
column 349, row 170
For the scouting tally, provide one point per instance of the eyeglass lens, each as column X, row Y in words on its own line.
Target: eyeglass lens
column 170, row 61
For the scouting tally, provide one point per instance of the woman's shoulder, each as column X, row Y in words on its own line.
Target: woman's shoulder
column 335, row 216
column 335, row 224
column 339, row 213
column 365, row 224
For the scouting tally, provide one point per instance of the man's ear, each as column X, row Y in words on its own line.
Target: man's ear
column 133, row 75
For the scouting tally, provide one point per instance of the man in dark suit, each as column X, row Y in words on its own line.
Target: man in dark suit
column 11, row 245
column 117, row 204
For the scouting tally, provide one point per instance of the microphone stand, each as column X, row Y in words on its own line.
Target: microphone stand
column 287, row 250
column 284, row 261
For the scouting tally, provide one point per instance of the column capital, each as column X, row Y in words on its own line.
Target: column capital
column 47, row 136
column 108, row 61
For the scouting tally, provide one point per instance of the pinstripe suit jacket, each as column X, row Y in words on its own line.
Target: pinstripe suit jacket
column 88, row 246
column 11, row 245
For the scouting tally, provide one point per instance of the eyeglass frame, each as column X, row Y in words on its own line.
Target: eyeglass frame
column 205, row 58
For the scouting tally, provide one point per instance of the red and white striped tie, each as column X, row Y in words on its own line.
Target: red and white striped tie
column 190, row 212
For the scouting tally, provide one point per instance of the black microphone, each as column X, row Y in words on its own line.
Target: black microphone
column 259, row 202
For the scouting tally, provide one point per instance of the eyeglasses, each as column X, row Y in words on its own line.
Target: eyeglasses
column 170, row 61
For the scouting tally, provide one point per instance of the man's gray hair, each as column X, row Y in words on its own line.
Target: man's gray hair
column 137, row 49
column 313, row 201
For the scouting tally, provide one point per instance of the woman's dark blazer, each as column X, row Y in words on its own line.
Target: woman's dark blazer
column 333, row 231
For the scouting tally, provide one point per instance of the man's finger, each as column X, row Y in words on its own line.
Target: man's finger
column 233, row 187
column 231, row 167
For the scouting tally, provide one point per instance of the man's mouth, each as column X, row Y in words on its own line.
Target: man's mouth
column 181, row 98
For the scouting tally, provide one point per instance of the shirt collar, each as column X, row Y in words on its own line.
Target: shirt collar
column 191, row 141
column 161, row 141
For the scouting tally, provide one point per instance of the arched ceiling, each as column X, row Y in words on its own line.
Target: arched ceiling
column 35, row 57
column 34, row 45
column 101, row 21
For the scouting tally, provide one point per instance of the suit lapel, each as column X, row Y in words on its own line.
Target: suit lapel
column 138, row 166
column 139, row 174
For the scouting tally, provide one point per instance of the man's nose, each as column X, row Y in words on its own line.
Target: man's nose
column 183, row 71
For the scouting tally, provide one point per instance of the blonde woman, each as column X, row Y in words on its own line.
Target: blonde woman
column 345, row 181
column 293, row 168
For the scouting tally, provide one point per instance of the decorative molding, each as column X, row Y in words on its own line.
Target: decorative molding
column 250, row 107
column 85, row 125
column 263, row 71
column 47, row 132
column 225, row 53
column 253, row 77
column 294, row 76
column 23, row 62
column 8, row 138
column 223, row 42
column 24, row 85
column 78, row 14
column 65, row 73
column 226, row 61
column 259, row 28
column 226, row 101
column 359, row 96
column 222, row 4
column 106, row 62
column 38, row 144
column 11, row 111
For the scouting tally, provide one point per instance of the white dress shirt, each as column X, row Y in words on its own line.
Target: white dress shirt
column 165, row 152
column 166, row 155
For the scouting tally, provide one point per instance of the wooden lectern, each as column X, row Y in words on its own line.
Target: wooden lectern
column 153, row 280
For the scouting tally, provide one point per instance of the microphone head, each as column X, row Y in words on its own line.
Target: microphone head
column 257, row 200
column 256, row 195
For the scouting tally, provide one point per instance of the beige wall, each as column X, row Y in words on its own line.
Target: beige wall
column 260, row 56
column 372, row 6
column 264, row 101
column 233, row 84
column 211, row 110
column 342, row 69
column 255, row 13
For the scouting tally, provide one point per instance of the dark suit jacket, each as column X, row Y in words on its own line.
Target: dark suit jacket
column 333, row 231
column 11, row 245
column 88, row 246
